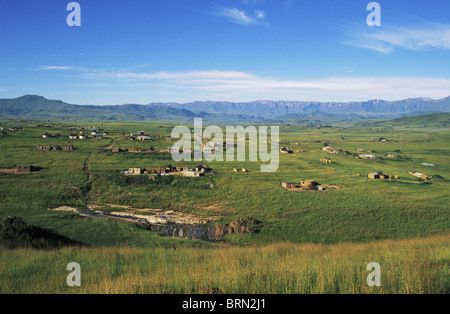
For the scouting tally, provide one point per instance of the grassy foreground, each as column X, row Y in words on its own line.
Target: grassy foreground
column 418, row 265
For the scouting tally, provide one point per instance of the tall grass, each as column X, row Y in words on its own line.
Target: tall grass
column 415, row 266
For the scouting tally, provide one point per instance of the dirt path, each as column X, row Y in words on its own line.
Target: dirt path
column 87, row 185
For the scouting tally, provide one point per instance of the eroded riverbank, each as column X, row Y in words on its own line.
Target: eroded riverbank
column 170, row 223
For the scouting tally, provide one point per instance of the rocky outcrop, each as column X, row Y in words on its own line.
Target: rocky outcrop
column 177, row 225
column 206, row 232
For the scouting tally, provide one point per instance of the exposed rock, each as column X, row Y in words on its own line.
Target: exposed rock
column 206, row 232
column 176, row 225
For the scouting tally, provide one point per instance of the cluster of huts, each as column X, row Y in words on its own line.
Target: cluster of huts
column 332, row 150
column 21, row 169
column 66, row 148
column 213, row 147
column 78, row 136
column 306, row 185
column 366, row 156
column 139, row 136
column 97, row 134
column 139, row 150
column 240, row 170
column 286, row 150
column 170, row 170
column 419, row 175
column 382, row 176
column 15, row 128
column 171, row 149
column 27, row 168
column 379, row 139
column 209, row 148
column 144, row 138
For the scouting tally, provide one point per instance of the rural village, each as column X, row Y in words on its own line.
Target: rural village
column 69, row 140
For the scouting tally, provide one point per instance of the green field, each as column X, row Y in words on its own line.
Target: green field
column 360, row 212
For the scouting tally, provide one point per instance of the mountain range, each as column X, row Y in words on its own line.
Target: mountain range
column 272, row 109
column 33, row 107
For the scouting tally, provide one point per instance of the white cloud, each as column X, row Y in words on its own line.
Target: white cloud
column 56, row 67
column 240, row 17
column 242, row 86
column 386, row 39
column 260, row 14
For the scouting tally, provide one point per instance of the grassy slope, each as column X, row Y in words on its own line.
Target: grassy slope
column 434, row 120
column 407, row 266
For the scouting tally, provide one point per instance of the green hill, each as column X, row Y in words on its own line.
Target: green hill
column 433, row 120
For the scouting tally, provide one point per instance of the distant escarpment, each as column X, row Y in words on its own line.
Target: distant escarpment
column 40, row 108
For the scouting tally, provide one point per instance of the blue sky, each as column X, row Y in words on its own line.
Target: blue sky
column 237, row 50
